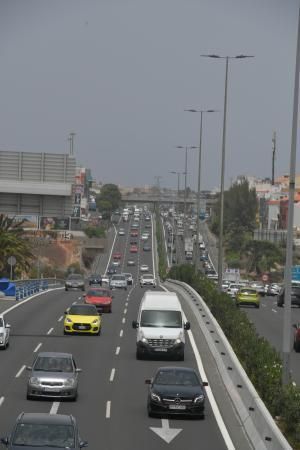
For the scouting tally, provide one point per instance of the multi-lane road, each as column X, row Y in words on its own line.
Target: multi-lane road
column 111, row 405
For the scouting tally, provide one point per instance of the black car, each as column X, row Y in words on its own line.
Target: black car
column 42, row 430
column 95, row 279
column 176, row 390
column 295, row 295
column 111, row 270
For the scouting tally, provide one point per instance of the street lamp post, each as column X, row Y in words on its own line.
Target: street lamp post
column 221, row 224
column 201, row 111
column 185, row 180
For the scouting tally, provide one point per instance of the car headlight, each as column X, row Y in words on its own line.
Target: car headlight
column 70, row 382
column 68, row 320
column 178, row 341
column 95, row 322
column 144, row 340
column 155, row 397
column 199, row 398
column 34, row 381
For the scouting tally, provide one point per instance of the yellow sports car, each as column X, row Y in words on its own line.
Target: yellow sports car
column 82, row 319
column 247, row 296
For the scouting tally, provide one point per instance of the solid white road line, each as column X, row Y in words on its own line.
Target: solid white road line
column 20, row 371
column 112, row 375
column 118, row 350
column 2, row 400
column 50, row 331
column 54, row 407
column 123, row 320
column 121, row 333
column 37, row 347
column 210, row 396
column 108, row 407
column 60, row 319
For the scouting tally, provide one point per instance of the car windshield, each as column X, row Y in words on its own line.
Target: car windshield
column 176, row 377
column 75, row 277
column 83, row 310
column 42, row 435
column 1, row 322
column 53, row 364
column 166, row 319
column 98, row 293
column 248, row 291
column 95, row 276
column 147, row 277
column 118, row 277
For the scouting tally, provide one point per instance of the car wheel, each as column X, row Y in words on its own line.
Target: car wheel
column 65, row 333
column 150, row 412
column 180, row 356
column 28, row 396
column 82, row 289
column 110, row 310
column 256, row 306
column 297, row 347
column 74, row 397
column 66, row 289
column 139, row 354
column 99, row 332
column 280, row 304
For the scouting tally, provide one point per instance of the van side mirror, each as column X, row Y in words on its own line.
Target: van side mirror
column 204, row 383
column 148, row 381
column 7, row 325
column 295, row 326
column 5, row 441
column 135, row 324
column 187, row 326
column 28, row 368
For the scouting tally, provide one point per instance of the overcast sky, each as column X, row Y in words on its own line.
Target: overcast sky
column 119, row 73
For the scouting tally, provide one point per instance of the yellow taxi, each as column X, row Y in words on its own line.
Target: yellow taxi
column 247, row 296
column 82, row 319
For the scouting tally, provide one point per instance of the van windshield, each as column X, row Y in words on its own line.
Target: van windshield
column 166, row 319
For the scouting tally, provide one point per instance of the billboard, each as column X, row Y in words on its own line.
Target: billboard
column 31, row 222
column 54, row 223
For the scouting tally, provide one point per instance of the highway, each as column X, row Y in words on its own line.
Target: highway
column 111, row 405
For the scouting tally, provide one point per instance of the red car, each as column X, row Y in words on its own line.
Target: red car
column 133, row 249
column 117, row 255
column 134, row 233
column 101, row 298
column 297, row 337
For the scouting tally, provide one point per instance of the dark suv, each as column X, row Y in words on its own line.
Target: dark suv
column 295, row 295
column 42, row 430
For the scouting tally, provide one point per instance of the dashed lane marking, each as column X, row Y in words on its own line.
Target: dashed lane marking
column 54, row 407
column 118, row 350
column 121, row 333
column 274, row 310
column 37, row 347
column 123, row 320
column 112, row 375
column 2, row 400
column 125, row 311
column 108, row 408
column 50, row 331
column 20, row 371
column 60, row 319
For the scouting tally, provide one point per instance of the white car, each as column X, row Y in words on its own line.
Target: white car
column 121, row 232
column 116, row 263
column 145, row 236
column 233, row 289
column 144, row 268
column 4, row 332
column 105, row 278
column 147, row 280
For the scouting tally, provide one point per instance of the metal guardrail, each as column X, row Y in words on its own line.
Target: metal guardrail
column 258, row 423
column 25, row 288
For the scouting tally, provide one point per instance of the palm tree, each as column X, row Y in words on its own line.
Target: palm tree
column 13, row 243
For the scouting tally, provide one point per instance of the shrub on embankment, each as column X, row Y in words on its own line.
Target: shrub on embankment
column 260, row 360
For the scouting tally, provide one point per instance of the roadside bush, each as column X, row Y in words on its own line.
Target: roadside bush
column 162, row 262
column 98, row 232
column 260, row 360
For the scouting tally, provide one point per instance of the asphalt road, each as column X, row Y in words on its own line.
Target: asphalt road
column 111, row 406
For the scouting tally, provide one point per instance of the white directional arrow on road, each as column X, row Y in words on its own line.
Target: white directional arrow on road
column 165, row 432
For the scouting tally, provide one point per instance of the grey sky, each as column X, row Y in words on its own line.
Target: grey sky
column 120, row 73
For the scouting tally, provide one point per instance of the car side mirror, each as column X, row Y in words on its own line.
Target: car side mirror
column 78, row 370
column 204, row 383
column 135, row 324
column 187, row 326
column 83, row 444
column 7, row 325
column 28, row 368
column 66, row 311
column 295, row 326
column 5, row 440
column 148, row 381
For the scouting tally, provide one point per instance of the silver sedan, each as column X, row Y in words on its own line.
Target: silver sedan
column 53, row 375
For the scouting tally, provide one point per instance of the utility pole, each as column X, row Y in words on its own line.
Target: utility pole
column 273, row 157
column 71, row 141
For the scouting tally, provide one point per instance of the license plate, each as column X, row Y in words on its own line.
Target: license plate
column 81, row 327
column 160, row 349
column 177, row 407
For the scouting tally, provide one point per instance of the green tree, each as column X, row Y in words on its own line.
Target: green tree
column 109, row 199
column 13, row 243
column 263, row 256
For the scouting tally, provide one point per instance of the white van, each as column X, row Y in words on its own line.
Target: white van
column 160, row 326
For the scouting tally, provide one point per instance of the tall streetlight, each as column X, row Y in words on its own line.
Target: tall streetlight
column 173, row 224
column 221, row 225
column 201, row 111
column 289, row 242
column 187, row 147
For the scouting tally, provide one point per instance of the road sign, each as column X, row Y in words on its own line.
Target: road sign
column 265, row 277
column 11, row 260
column 296, row 273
